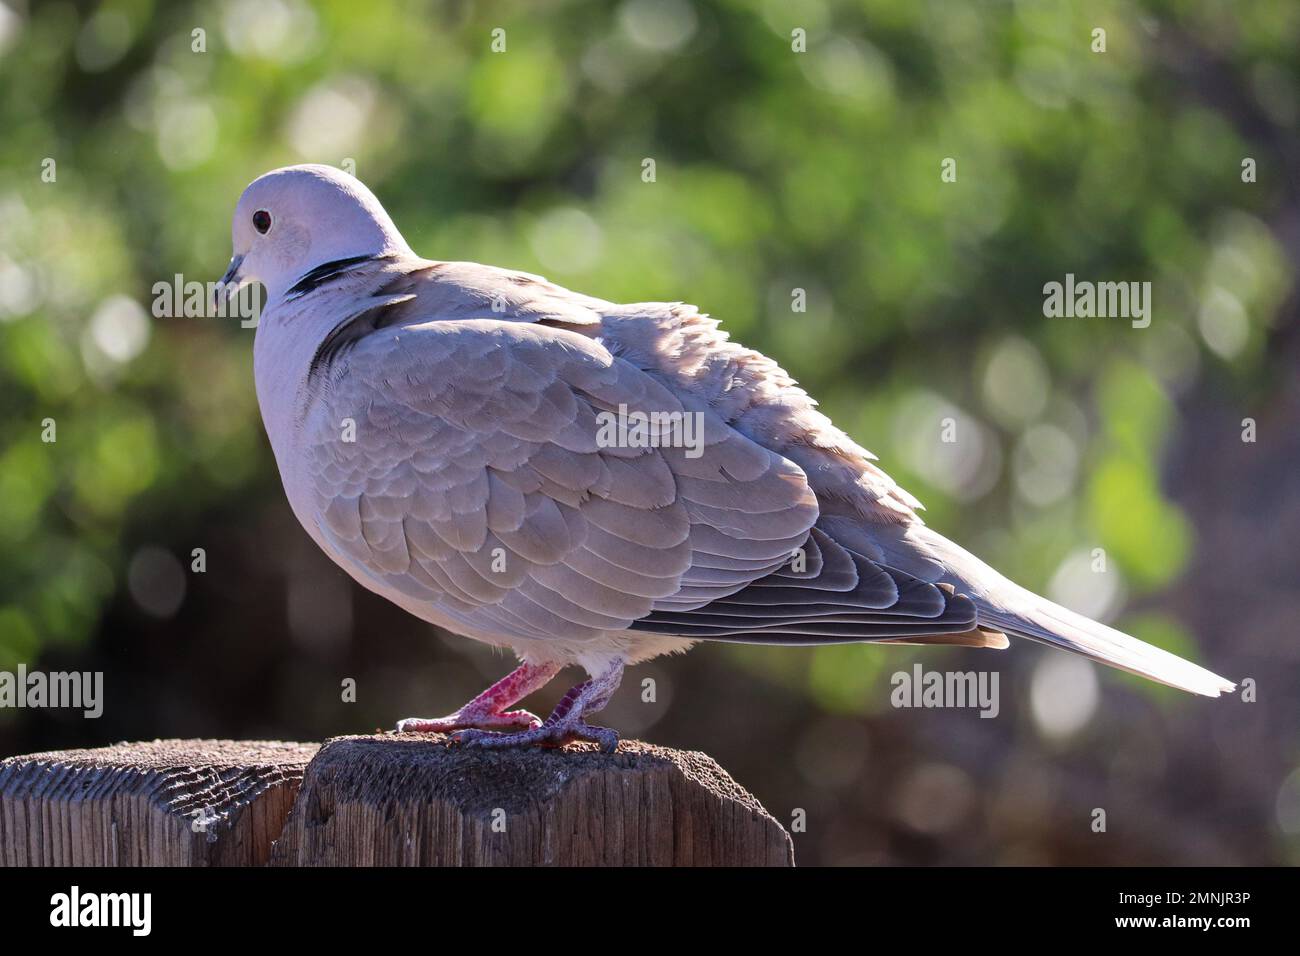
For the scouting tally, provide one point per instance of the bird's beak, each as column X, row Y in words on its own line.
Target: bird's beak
column 230, row 282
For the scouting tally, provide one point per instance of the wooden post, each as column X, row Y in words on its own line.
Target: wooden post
column 391, row 799
column 408, row 799
column 161, row 803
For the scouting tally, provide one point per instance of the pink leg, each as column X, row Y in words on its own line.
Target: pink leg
column 567, row 722
column 488, row 709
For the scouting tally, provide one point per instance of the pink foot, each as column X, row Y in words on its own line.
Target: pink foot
column 567, row 722
column 466, row 718
column 547, row 735
column 488, row 709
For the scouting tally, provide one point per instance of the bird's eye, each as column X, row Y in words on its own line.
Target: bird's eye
column 262, row 221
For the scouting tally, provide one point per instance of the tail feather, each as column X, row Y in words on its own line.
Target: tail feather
column 1052, row 624
column 1020, row 613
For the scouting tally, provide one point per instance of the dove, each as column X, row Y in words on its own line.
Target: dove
column 510, row 462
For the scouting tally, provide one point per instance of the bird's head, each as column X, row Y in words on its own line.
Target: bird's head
column 297, row 218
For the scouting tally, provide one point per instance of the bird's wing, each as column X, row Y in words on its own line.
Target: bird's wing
column 474, row 477
column 477, row 480
column 832, row 594
column 868, row 529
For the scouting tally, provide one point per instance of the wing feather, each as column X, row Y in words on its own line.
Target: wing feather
column 478, row 484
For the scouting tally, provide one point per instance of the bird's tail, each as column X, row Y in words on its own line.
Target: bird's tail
column 1021, row 613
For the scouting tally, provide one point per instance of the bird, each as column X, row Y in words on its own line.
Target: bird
column 584, row 482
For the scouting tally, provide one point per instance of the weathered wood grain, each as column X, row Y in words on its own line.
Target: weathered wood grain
column 391, row 799
column 158, row 803
column 413, row 800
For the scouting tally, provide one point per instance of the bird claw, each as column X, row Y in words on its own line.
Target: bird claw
column 480, row 722
column 465, row 720
column 549, row 734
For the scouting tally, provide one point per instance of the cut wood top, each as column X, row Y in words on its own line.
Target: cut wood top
column 388, row 799
column 417, row 800
column 172, row 755
column 160, row 802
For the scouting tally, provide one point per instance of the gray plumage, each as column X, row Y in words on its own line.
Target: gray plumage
column 477, row 496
